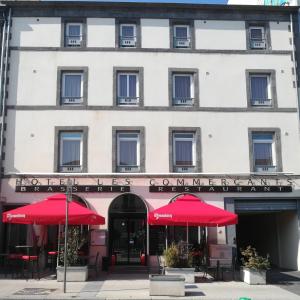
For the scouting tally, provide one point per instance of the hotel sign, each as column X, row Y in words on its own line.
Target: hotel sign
column 156, row 185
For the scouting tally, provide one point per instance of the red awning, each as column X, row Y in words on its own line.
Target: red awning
column 190, row 210
column 52, row 211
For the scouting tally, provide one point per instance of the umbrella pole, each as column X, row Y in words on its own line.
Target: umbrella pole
column 58, row 245
column 68, row 198
column 187, row 233
column 187, row 240
column 166, row 237
column 8, row 240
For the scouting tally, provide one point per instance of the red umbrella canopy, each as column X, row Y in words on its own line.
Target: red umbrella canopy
column 52, row 211
column 190, row 210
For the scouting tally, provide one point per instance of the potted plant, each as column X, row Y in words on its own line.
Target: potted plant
column 76, row 271
column 254, row 266
column 179, row 261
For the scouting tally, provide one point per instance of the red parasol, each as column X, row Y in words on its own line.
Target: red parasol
column 190, row 210
column 51, row 211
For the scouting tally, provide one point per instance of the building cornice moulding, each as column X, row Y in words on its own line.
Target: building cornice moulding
column 150, row 108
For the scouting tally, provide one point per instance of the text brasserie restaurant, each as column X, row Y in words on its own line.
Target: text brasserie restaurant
column 267, row 207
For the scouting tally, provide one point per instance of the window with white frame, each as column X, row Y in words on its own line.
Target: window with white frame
column 183, row 89
column 72, row 88
column 264, row 155
column 260, row 89
column 184, row 151
column 181, row 36
column 128, row 88
column 128, row 151
column 127, row 35
column 257, row 37
column 73, row 35
column 70, row 155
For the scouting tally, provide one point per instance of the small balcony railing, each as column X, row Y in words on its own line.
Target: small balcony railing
column 182, row 42
column 128, row 169
column 184, row 169
column 261, row 102
column 71, row 100
column 128, row 100
column 127, row 41
column 265, row 168
column 258, row 43
column 181, row 101
column 73, row 41
column 70, row 168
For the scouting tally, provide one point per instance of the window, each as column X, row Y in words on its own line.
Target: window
column 128, row 151
column 184, row 151
column 183, row 89
column 72, row 88
column 128, row 89
column 70, row 154
column 73, row 35
column 257, row 37
column 264, row 158
column 128, row 35
column 260, row 90
column 181, row 36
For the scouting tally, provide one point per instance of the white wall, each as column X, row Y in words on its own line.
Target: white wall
column 211, row 34
column 155, row 33
column 280, row 36
column 100, row 32
column 222, row 78
column 225, row 146
column 35, row 32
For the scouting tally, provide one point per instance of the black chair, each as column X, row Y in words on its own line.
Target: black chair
column 95, row 267
column 31, row 263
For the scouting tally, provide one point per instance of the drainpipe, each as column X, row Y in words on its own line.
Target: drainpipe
column 3, row 82
column 3, row 77
column 294, row 61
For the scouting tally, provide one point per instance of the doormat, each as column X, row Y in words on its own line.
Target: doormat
column 34, row 291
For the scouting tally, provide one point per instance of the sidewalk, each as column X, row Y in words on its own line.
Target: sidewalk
column 124, row 286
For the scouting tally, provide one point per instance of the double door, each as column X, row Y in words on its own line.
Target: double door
column 128, row 237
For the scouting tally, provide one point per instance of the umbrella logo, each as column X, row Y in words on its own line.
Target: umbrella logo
column 10, row 216
column 157, row 216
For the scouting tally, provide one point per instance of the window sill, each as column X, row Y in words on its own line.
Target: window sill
column 128, row 169
column 70, row 169
column 184, row 169
column 265, row 169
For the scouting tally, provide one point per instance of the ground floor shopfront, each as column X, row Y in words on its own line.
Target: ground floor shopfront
column 268, row 209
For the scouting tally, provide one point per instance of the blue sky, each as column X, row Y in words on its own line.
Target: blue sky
column 157, row 1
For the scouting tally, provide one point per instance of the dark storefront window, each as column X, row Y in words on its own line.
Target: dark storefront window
column 176, row 234
column 157, row 238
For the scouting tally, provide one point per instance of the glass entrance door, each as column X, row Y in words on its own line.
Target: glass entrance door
column 128, row 238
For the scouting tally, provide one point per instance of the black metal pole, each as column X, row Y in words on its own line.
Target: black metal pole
column 68, row 199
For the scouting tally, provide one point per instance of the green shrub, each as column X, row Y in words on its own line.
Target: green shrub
column 176, row 256
column 252, row 260
column 75, row 242
column 172, row 256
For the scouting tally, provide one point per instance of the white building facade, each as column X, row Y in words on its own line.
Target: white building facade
column 138, row 104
